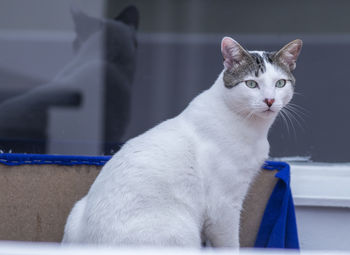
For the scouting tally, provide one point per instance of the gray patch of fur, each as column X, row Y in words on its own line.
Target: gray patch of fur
column 277, row 62
column 254, row 64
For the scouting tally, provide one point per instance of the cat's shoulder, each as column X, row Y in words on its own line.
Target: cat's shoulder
column 169, row 136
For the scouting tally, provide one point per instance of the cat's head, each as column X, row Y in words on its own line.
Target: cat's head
column 86, row 26
column 115, row 38
column 257, row 83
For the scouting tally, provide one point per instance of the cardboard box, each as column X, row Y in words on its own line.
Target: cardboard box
column 36, row 200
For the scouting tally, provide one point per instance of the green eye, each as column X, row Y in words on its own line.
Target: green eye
column 251, row 84
column 281, row 83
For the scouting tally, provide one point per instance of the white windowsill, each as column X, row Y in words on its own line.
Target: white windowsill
column 318, row 184
column 28, row 248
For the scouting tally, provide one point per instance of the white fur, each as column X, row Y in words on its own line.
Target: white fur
column 184, row 180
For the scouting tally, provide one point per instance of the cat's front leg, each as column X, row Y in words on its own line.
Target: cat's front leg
column 222, row 228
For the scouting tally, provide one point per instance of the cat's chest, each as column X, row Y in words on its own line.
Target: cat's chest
column 234, row 152
column 229, row 167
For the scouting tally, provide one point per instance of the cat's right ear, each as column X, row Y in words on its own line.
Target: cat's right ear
column 129, row 16
column 232, row 52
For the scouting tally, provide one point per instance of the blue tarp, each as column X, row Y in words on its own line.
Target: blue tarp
column 278, row 227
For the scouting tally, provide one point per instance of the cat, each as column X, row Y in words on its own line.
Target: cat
column 104, row 48
column 184, row 181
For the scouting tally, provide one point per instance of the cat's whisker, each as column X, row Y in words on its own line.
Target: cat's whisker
column 245, row 117
column 248, row 116
column 290, row 130
column 298, row 94
column 284, row 120
column 290, row 118
column 298, row 113
column 299, row 108
column 295, row 115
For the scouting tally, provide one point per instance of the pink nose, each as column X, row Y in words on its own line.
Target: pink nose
column 269, row 101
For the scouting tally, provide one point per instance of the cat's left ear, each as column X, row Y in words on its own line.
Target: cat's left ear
column 84, row 26
column 288, row 55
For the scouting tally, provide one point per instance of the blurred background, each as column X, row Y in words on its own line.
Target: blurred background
column 84, row 76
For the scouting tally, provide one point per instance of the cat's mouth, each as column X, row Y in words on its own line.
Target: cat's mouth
column 269, row 110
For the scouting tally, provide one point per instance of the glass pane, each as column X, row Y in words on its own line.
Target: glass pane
column 75, row 80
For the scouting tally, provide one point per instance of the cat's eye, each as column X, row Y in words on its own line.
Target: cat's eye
column 251, row 84
column 281, row 83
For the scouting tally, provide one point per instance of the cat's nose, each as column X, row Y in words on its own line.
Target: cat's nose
column 269, row 101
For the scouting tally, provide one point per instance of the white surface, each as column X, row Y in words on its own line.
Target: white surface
column 315, row 184
column 21, row 248
column 322, row 198
column 323, row 228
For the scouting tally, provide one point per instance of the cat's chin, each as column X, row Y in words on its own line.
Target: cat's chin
column 268, row 114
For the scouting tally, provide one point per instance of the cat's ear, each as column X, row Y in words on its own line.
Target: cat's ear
column 84, row 26
column 129, row 16
column 83, row 23
column 288, row 55
column 232, row 52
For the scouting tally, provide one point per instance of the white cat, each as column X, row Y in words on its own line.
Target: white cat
column 184, row 180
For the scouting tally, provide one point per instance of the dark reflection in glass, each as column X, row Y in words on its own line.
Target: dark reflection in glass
column 120, row 57
column 23, row 119
column 84, row 109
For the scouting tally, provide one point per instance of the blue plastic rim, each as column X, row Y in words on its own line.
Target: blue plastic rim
column 14, row 159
